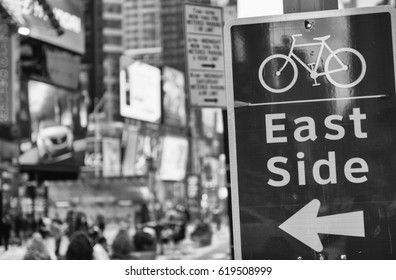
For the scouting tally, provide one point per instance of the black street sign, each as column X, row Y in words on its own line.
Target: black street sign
column 312, row 134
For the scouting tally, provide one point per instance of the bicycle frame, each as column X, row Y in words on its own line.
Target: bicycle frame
column 314, row 70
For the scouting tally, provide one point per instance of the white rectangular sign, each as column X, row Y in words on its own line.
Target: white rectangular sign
column 140, row 92
column 205, row 55
column 111, row 157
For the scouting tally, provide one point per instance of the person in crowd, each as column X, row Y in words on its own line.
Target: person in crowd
column 37, row 249
column 101, row 222
column 80, row 247
column 70, row 223
column 18, row 228
column 5, row 230
column 44, row 226
column 100, row 244
column 57, row 232
column 216, row 218
column 81, row 222
column 122, row 245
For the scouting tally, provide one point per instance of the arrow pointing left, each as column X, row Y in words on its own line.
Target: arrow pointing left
column 305, row 226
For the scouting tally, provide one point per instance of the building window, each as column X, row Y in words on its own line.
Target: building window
column 112, row 8
column 116, row 24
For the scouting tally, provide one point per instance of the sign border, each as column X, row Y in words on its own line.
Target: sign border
column 230, row 88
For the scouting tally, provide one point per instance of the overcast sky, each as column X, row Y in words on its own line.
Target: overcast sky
column 253, row 8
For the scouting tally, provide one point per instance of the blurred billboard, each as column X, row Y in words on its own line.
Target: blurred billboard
column 33, row 15
column 50, row 64
column 173, row 159
column 174, row 97
column 111, row 157
column 140, row 92
column 55, row 137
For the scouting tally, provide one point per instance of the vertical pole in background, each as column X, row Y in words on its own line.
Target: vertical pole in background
column 297, row 6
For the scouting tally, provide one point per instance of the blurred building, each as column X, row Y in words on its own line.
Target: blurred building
column 104, row 42
column 142, row 31
column 173, row 32
column 344, row 4
column 45, row 116
column 93, row 60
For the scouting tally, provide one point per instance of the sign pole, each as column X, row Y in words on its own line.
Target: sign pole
column 228, row 181
column 297, row 6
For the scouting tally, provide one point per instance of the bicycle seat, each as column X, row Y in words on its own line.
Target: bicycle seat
column 324, row 38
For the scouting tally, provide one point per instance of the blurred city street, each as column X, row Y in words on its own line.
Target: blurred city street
column 145, row 129
column 187, row 249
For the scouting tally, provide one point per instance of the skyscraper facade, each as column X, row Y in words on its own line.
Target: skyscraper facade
column 142, row 30
column 112, row 50
column 173, row 33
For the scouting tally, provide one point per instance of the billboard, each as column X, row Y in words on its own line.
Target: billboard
column 140, row 92
column 174, row 97
column 312, row 134
column 111, row 151
column 56, row 127
column 31, row 14
column 50, row 64
column 173, row 159
column 130, row 138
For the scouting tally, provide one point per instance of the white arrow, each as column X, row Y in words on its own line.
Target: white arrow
column 305, row 225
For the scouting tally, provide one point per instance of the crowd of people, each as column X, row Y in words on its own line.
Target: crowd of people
column 85, row 238
column 85, row 241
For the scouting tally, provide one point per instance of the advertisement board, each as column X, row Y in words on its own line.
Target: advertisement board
column 173, row 159
column 111, row 151
column 50, row 64
column 130, row 151
column 69, row 14
column 174, row 97
column 312, row 121
column 56, row 127
column 140, row 92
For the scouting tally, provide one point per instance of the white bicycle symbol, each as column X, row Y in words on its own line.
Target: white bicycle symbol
column 313, row 67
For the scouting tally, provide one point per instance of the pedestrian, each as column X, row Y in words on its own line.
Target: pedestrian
column 80, row 247
column 100, row 244
column 101, row 222
column 5, row 230
column 57, row 233
column 122, row 245
column 37, row 249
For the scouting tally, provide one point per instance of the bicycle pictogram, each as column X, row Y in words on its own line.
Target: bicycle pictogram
column 343, row 58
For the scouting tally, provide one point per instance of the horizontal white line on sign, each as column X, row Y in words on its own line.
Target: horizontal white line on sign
column 244, row 104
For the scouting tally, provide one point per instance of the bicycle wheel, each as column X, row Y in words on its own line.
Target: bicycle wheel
column 353, row 71
column 274, row 80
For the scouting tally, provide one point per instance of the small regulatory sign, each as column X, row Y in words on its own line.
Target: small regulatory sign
column 205, row 57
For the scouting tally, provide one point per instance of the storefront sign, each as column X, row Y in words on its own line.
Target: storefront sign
column 69, row 14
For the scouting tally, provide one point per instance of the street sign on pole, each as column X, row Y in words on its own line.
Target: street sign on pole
column 205, row 55
column 312, row 127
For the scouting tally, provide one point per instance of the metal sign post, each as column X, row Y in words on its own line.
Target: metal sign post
column 312, row 130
